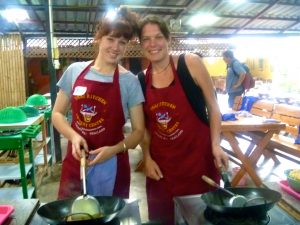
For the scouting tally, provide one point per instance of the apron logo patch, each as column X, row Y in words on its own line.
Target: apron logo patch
column 163, row 119
column 166, row 120
column 88, row 112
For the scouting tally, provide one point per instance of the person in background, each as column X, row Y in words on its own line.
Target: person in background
column 178, row 147
column 102, row 95
column 235, row 76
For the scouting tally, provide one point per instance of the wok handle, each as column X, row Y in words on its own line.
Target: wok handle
column 214, row 184
column 210, row 181
column 82, row 171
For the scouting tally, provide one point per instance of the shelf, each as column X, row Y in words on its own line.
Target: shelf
column 12, row 171
column 37, row 145
column 39, row 159
column 14, row 193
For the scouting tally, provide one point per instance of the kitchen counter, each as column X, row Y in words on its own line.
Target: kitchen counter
column 25, row 210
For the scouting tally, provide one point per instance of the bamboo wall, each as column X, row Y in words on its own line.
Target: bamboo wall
column 12, row 76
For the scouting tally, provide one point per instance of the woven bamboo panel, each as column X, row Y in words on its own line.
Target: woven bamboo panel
column 12, row 76
column 84, row 48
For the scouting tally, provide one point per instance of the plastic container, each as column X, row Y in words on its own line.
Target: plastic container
column 30, row 111
column 5, row 212
column 12, row 115
column 286, row 187
column 37, row 100
column 293, row 183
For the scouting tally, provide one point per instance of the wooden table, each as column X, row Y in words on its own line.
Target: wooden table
column 255, row 124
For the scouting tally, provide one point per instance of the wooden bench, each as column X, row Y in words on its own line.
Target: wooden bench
column 263, row 108
column 282, row 144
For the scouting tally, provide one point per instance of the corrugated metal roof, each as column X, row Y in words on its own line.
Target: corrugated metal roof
column 77, row 18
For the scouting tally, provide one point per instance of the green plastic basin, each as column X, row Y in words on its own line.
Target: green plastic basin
column 37, row 100
column 293, row 183
column 30, row 111
column 12, row 115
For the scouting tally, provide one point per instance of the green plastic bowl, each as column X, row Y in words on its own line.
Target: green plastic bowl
column 12, row 115
column 37, row 100
column 293, row 183
column 30, row 111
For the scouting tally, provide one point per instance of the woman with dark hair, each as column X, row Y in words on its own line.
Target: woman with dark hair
column 179, row 146
column 102, row 95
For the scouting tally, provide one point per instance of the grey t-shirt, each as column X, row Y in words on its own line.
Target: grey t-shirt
column 131, row 91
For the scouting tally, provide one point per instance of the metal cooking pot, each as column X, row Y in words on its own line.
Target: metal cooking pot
column 59, row 212
column 219, row 201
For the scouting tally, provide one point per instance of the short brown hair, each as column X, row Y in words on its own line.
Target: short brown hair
column 154, row 20
column 124, row 25
column 228, row 54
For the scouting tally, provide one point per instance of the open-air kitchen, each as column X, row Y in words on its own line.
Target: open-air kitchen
column 149, row 112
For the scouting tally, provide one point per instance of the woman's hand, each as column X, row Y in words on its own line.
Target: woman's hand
column 78, row 144
column 221, row 158
column 152, row 170
column 102, row 154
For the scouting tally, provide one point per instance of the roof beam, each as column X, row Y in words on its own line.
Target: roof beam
column 36, row 15
column 290, row 26
column 257, row 16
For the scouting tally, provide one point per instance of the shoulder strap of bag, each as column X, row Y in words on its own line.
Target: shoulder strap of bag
column 141, row 77
column 192, row 91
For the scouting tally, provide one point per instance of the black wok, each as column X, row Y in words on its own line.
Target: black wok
column 219, row 201
column 59, row 212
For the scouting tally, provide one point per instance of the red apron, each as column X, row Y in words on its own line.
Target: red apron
column 180, row 144
column 97, row 115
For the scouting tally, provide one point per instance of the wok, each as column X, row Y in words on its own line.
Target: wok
column 59, row 212
column 265, row 199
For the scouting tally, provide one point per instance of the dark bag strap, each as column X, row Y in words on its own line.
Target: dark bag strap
column 141, row 77
column 192, row 91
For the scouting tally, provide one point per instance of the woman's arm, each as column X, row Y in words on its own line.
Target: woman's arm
column 152, row 170
column 60, row 109
column 137, row 125
column 203, row 80
column 131, row 141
